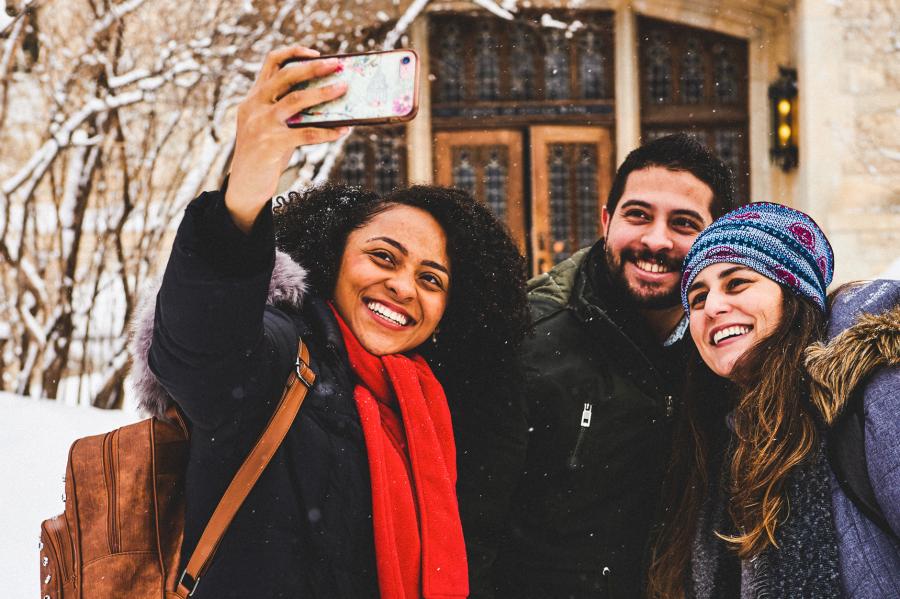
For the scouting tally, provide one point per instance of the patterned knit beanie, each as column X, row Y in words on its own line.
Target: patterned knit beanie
column 778, row 242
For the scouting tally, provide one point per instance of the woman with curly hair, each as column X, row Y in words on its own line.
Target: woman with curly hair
column 359, row 500
column 758, row 503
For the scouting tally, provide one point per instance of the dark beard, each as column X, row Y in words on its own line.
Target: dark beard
column 655, row 301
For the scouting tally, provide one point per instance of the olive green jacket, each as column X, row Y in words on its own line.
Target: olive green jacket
column 559, row 484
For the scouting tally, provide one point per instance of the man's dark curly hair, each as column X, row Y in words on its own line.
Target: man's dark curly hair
column 486, row 315
column 678, row 152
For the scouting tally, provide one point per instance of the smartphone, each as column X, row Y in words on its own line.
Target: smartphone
column 382, row 87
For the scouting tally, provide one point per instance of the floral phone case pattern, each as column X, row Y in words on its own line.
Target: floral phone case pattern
column 381, row 86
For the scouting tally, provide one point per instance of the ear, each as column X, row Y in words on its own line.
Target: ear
column 605, row 217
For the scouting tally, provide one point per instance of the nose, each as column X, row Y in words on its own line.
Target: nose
column 402, row 286
column 715, row 304
column 657, row 237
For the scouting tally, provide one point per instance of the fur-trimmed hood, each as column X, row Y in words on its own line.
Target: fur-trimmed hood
column 286, row 287
column 864, row 337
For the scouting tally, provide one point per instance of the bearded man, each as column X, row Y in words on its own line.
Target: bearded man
column 559, row 481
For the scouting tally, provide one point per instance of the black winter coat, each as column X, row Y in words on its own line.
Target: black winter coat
column 559, row 486
column 223, row 355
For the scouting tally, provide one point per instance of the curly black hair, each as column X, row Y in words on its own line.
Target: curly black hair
column 487, row 313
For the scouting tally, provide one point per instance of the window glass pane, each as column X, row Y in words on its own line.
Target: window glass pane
column 487, row 70
column 586, row 194
column 521, row 57
column 353, row 164
column 451, row 73
column 495, row 175
column 729, row 145
column 726, row 75
column 592, row 67
column 464, row 170
column 387, row 165
column 559, row 202
column 692, row 76
column 658, row 73
column 556, row 66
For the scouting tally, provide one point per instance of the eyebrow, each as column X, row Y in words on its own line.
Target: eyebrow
column 725, row 273
column 436, row 265
column 402, row 249
column 649, row 206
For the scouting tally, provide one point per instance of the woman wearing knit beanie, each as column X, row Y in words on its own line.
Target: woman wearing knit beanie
column 785, row 473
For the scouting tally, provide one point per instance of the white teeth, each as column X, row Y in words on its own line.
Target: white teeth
column 651, row 266
column 383, row 310
column 730, row 332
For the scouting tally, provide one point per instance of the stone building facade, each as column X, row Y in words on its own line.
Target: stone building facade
column 714, row 59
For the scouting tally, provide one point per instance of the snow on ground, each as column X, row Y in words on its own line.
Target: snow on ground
column 34, row 444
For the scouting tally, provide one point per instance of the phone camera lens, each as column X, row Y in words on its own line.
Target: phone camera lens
column 405, row 60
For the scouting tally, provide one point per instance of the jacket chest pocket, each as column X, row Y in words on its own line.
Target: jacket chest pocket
column 610, row 429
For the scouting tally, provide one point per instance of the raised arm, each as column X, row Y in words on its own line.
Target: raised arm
column 214, row 342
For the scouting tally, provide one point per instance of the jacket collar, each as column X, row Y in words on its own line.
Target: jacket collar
column 865, row 337
column 597, row 303
column 287, row 287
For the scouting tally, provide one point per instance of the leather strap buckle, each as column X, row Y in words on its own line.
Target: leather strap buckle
column 188, row 582
column 302, row 369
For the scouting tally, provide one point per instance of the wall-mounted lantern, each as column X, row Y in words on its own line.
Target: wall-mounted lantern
column 783, row 98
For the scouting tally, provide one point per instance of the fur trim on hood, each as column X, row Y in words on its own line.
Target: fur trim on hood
column 287, row 287
column 837, row 368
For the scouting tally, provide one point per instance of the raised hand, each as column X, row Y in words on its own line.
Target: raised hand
column 264, row 142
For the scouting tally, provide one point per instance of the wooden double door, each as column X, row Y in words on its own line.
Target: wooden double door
column 547, row 183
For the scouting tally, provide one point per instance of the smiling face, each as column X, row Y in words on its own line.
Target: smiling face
column 651, row 230
column 394, row 280
column 732, row 309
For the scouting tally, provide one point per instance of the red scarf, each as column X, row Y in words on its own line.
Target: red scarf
column 419, row 545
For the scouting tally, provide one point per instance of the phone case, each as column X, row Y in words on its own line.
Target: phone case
column 382, row 87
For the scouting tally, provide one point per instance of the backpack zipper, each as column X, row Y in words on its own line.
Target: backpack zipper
column 582, row 433
column 57, row 547
column 109, row 470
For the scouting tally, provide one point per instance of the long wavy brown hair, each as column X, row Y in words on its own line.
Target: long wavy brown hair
column 774, row 429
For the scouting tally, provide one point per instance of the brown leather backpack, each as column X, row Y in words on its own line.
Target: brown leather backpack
column 121, row 532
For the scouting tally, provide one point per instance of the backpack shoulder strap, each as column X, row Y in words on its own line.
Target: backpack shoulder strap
column 846, row 447
column 250, row 471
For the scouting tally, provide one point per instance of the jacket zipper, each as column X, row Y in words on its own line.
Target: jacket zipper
column 582, row 434
column 595, row 312
column 109, row 469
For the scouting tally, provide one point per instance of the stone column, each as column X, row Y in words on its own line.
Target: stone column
column 628, row 104
column 418, row 131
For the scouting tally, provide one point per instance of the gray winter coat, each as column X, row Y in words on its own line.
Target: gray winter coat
column 865, row 350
